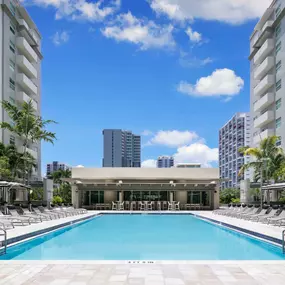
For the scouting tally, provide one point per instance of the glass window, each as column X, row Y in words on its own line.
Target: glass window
column 12, row 140
column 12, row 47
column 12, row 100
column 278, row 47
column 12, row 8
column 278, row 85
column 12, row 28
column 12, row 65
column 278, row 32
column 278, row 123
column 278, row 11
column 278, row 65
column 278, row 104
column 278, row 142
column 12, row 84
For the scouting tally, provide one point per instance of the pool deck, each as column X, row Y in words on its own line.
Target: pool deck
column 13, row 272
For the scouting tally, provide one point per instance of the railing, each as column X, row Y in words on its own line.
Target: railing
column 283, row 241
column 3, row 247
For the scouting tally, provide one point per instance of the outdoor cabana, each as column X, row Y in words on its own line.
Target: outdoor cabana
column 102, row 186
column 13, row 191
column 273, row 191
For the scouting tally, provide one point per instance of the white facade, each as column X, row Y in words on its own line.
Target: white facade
column 55, row 166
column 165, row 162
column 20, row 61
column 232, row 136
column 267, row 69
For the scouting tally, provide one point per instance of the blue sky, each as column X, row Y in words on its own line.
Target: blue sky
column 172, row 70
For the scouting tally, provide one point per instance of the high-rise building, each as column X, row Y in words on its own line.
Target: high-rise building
column 55, row 166
column 121, row 149
column 188, row 165
column 267, row 67
column 20, row 63
column 165, row 162
column 234, row 135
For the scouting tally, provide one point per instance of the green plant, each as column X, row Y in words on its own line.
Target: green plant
column 235, row 200
column 64, row 188
column 57, row 200
column 226, row 195
column 282, row 200
column 36, row 194
column 29, row 127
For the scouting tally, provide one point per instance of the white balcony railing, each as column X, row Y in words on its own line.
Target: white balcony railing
column 26, row 66
column 29, row 150
column 264, row 134
column 23, row 97
column 264, row 51
column 26, row 49
column 264, row 119
column 22, row 22
column 268, row 24
column 28, row 86
column 264, row 85
column 263, row 102
column 264, row 67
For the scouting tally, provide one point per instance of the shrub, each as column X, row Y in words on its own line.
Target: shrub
column 57, row 200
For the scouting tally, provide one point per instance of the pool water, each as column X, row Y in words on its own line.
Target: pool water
column 144, row 237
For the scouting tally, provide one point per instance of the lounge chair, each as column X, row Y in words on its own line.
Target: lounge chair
column 49, row 216
column 229, row 211
column 141, row 206
column 5, row 224
column 122, row 206
column 239, row 211
column 170, row 206
column 30, row 218
column 18, row 220
column 150, row 206
column 133, row 206
column 177, row 206
column 273, row 213
column 256, row 216
column 42, row 217
column 50, row 212
column 114, row 206
column 254, row 211
column 276, row 220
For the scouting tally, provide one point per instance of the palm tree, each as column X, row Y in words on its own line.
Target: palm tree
column 64, row 189
column 267, row 152
column 28, row 126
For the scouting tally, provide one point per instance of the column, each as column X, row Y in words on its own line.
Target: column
column 274, row 195
column 74, row 196
column 171, row 196
column 216, row 199
column 121, row 196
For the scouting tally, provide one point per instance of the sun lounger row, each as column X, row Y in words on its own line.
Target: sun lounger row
column 266, row 214
column 23, row 216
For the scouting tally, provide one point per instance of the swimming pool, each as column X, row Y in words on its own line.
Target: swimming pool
column 144, row 237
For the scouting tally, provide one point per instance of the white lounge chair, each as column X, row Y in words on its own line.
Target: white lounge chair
column 251, row 213
column 122, row 206
column 170, row 206
column 177, row 206
column 260, row 214
column 271, row 214
column 5, row 224
column 277, row 220
column 114, row 206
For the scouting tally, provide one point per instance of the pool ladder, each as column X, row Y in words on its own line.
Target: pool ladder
column 283, row 241
column 3, row 244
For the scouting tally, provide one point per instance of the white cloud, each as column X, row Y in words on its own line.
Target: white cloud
column 173, row 138
column 194, row 36
column 197, row 152
column 60, row 38
column 79, row 9
column 222, row 82
column 149, row 163
column 188, row 60
column 229, row 11
column 144, row 33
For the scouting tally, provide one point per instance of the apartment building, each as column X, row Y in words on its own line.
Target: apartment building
column 55, row 166
column 121, row 148
column 232, row 136
column 165, row 162
column 20, row 63
column 267, row 68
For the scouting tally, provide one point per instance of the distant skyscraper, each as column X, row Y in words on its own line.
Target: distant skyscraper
column 121, row 149
column 165, row 162
column 55, row 166
column 233, row 135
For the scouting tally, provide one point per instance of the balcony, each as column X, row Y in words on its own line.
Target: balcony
column 23, row 97
column 263, row 102
column 29, row 150
column 264, row 85
column 264, row 119
column 264, row 67
column 26, row 66
column 268, row 24
column 26, row 49
column 265, row 134
column 23, row 23
column 262, row 35
column 27, row 84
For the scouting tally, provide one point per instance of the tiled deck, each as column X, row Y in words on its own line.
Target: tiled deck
column 37, row 273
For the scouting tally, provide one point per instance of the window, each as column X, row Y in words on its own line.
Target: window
column 278, row 47
column 12, row 65
column 278, row 142
column 12, row 140
column 12, row 47
column 12, row 8
column 12, row 28
column 12, row 100
column 278, row 11
column 278, row 65
column 12, row 84
column 278, row 85
column 278, row 32
column 278, row 104
column 278, row 123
